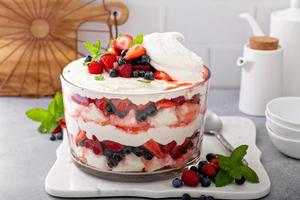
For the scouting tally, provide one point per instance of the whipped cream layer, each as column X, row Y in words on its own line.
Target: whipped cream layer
column 169, row 55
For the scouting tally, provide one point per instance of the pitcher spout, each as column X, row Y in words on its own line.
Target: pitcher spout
column 257, row 31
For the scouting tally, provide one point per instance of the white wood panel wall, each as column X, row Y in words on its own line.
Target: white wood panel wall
column 211, row 28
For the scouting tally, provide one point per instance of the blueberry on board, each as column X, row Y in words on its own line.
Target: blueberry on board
column 121, row 61
column 201, row 164
column 202, row 197
column 210, row 156
column 142, row 73
column 59, row 136
column 141, row 115
column 145, row 59
column 186, row 197
column 205, row 182
column 177, row 183
column 240, row 181
column 135, row 74
column 147, row 155
column 52, row 137
column 194, row 168
column 88, row 59
column 113, row 73
column 149, row 75
column 123, row 53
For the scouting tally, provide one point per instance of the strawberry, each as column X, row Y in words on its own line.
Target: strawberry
column 209, row 170
column 190, row 178
column 125, row 70
column 62, row 123
column 154, row 148
column 123, row 42
column 135, row 52
column 57, row 130
column 176, row 152
column 195, row 99
column 108, row 61
column 95, row 67
column 114, row 48
column 89, row 144
column 142, row 67
column 165, row 103
column 113, row 146
column 162, row 76
column 169, row 147
column 101, row 104
column 84, row 101
column 121, row 105
column 179, row 100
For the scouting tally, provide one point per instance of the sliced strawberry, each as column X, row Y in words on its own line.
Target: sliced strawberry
column 84, row 101
column 57, row 130
column 154, row 148
column 62, row 123
column 162, row 76
column 115, row 49
column 179, row 100
column 125, row 70
column 108, row 61
column 123, row 41
column 186, row 143
column 209, row 170
column 142, row 67
column 195, row 99
column 113, row 146
column 101, row 104
column 135, row 52
column 165, row 103
column 95, row 67
column 176, row 152
column 89, row 144
column 121, row 105
column 169, row 147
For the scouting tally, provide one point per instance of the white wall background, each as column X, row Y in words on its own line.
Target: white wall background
column 211, row 27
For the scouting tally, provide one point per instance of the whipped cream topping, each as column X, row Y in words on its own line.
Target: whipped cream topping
column 169, row 55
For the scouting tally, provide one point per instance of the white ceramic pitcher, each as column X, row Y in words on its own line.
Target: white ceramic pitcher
column 285, row 25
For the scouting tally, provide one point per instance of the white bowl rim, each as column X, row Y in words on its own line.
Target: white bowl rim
column 271, row 132
column 279, row 117
column 279, row 124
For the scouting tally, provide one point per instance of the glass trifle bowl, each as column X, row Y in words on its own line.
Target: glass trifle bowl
column 129, row 130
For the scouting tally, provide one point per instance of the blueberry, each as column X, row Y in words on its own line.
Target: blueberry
column 82, row 143
column 145, row 59
column 138, row 151
column 142, row 73
column 107, row 153
column 121, row 114
column 141, row 115
column 210, row 156
column 113, row 73
column 117, row 156
column 194, row 168
column 59, row 136
column 121, row 61
column 201, row 164
column 177, row 183
column 205, row 182
column 123, row 53
column 202, row 197
column 112, row 162
column 149, row 75
column 135, row 74
column 183, row 150
column 240, row 181
column 88, row 59
column 147, row 155
column 151, row 109
column 210, row 198
column 186, row 197
column 52, row 137
column 110, row 108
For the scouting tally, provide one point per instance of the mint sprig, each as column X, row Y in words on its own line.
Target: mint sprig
column 49, row 118
column 144, row 81
column 94, row 49
column 99, row 77
column 139, row 39
column 233, row 168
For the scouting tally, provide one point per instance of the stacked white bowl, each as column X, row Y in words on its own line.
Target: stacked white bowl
column 283, row 124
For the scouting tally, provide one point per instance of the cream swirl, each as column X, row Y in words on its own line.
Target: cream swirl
column 169, row 55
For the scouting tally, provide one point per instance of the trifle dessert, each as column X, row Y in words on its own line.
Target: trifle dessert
column 138, row 107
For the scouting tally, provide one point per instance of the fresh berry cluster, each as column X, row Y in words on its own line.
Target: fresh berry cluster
column 115, row 152
column 57, row 133
column 125, row 58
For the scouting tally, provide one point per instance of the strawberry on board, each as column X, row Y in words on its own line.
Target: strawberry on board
column 165, row 103
column 154, row 148
column 108, row 61
column 135, row 52
column 162, row 76
column 125, row 70
column 95, row 67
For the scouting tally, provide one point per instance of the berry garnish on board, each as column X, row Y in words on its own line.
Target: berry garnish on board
column 95, row 67
column 190, row 178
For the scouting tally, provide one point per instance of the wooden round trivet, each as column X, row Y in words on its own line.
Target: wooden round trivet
column 263, row 43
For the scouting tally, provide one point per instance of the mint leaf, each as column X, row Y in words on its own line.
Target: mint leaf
column 238, row 154
column 99, row 77
column 52, row 107
column 48, row 126
column 139, row 39
column 58, row 99
column 94, row 49
column 223, row 178
column 236, row 173
column 249, row 174
column 38, row 114
column 224, row 162
column 144, row 81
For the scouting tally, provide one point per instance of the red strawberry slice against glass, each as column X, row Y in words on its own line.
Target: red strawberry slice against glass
column 95, row 67
column 135, row 51
column 125, row 70
column 169, row 147
column 154, row 148
column 162, row 76
column 113, row 146
column 108, row 61
column 195, row 99
column 165, row 103
column 176, row 152
column 101, row 104
column 124, row 42
column 179, row 100
column 84, row 101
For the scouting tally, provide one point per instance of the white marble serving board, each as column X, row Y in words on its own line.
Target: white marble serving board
column 66, row 180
